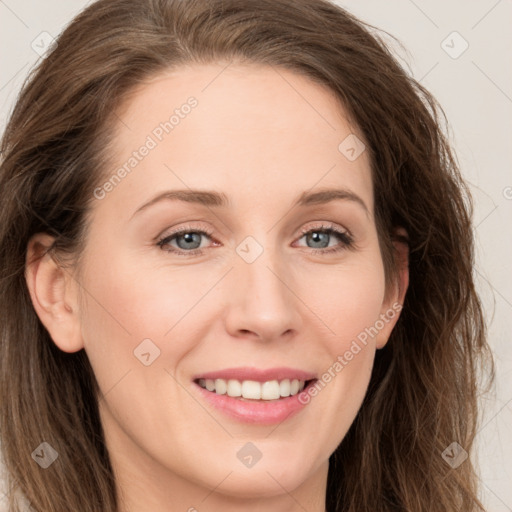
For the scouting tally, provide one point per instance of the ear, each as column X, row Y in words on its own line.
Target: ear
column 54, row 294
column 394, row 299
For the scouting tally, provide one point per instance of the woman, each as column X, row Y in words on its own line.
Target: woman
column 249, row 369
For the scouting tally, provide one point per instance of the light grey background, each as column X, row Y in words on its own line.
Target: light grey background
column 475, row 90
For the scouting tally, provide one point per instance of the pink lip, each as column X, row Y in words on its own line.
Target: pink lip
column 257, row 375
column 255, row 412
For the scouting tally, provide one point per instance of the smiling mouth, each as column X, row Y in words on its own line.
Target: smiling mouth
column 250, row 390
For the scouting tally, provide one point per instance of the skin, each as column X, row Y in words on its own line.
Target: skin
column 262, row 137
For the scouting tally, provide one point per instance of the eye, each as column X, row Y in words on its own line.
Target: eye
column 188, row 240
column 322, row 235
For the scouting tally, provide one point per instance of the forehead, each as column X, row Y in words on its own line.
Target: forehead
column 255, row 132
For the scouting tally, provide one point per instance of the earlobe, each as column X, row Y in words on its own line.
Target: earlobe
column 393, row 306
column 53, row 294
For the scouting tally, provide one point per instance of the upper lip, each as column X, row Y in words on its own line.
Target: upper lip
column 257, row 374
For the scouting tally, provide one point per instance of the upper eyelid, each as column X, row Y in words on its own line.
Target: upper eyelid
column 326, row 225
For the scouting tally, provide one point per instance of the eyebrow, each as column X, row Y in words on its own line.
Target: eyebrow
column 214, row 199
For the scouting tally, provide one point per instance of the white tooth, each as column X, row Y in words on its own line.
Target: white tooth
column 251, row 389
column 202, row 383
column 234, row 388
column 270, row 390
column 220, row 386
column 284, row 387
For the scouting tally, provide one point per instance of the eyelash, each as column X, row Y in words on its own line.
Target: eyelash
column 346, row 239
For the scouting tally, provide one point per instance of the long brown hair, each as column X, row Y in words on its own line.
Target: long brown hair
column 424, row 387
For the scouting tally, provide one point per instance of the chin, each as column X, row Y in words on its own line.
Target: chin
column 266, row 481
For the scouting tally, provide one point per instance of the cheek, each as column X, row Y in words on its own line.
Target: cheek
column 350, row 306
column 128, row 302
column 347, row 298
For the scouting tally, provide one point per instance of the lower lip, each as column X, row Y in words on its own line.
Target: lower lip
column 261, row 412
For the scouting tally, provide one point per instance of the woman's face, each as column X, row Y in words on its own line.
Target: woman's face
column 260, row 157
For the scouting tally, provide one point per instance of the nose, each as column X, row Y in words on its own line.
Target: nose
column 262, row 302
